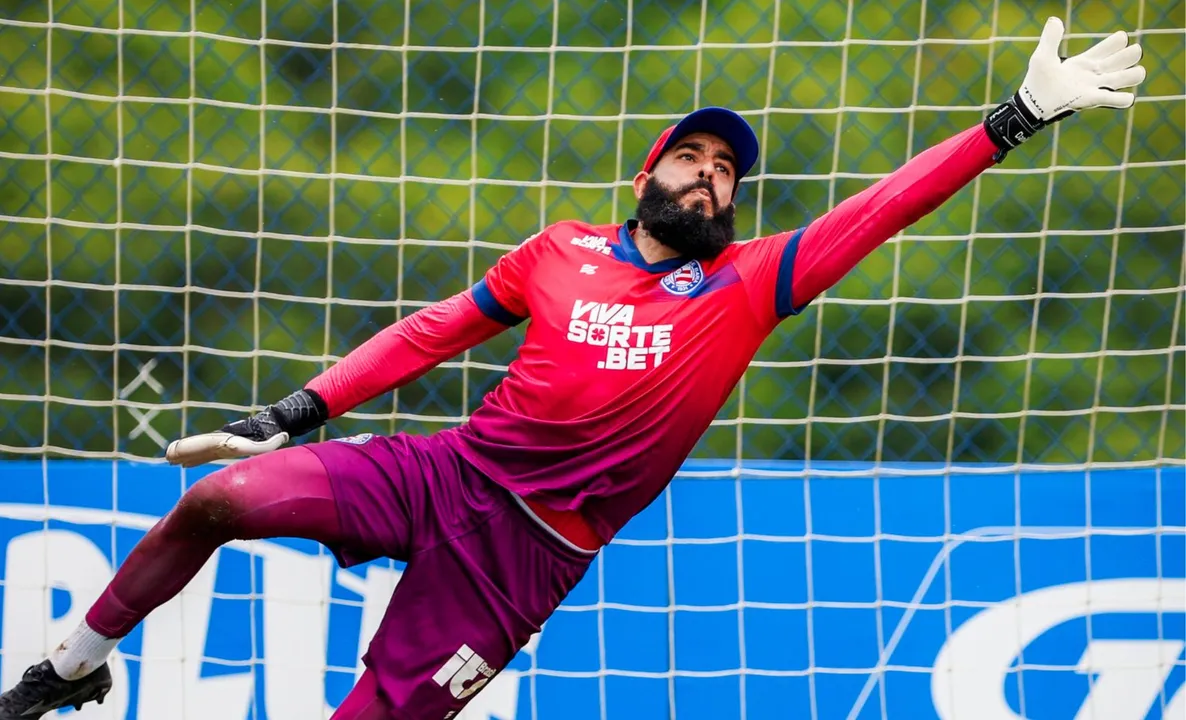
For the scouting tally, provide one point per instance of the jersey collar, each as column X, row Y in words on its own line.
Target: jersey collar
column 627, row 251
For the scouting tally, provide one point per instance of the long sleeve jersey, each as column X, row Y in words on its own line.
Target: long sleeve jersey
column 625, row 363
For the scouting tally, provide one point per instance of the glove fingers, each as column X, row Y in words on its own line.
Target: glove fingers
column 1051, row 37
column 1122, row 59
column 199, row 459
column 201, row 449
column 275, row 442
column 240, row 446
column 191, row 449
column 1106, row 98
column 1122, row 78
column 194, row 459
column 1109, row 45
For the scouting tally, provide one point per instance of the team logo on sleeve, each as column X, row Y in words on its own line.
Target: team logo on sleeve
column 684, row 279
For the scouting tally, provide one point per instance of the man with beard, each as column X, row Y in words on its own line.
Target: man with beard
column 638, row 334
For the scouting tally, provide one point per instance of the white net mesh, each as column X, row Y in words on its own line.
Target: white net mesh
column 206, row 204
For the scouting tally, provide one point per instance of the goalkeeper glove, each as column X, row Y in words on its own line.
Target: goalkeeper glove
column 297, row 414
column 1054, row 88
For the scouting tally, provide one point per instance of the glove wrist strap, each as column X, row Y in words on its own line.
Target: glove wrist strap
column 301, row 412
column 1011, row 124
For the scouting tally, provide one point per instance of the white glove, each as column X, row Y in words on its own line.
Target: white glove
column 263, row 432
column 208, row 447
column 1090, row 79
column 1054, row 88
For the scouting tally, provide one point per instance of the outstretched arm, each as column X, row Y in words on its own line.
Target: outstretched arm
column 1053, row 88
column 413, row 346
column 403, row 352
column 394, row 357
column 835, row 242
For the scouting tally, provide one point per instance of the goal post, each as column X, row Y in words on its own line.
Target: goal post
column 204, row 204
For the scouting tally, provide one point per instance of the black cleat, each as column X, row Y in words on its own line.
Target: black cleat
column 41, row 691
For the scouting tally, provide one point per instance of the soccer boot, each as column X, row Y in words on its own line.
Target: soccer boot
column 41, row 691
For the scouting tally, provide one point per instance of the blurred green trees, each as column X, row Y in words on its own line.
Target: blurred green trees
column 1038, row 316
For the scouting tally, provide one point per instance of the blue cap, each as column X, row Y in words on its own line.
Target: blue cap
column 722, row 122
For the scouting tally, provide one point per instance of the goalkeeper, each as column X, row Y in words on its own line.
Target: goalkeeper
column 639, row 333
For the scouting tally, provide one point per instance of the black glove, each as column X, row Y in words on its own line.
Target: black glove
column 299, row 413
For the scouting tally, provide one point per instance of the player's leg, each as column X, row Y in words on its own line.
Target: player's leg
column 282, row 494
column 363, row 702
column 483, row 579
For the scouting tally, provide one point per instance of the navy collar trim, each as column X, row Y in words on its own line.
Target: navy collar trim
column 627, row 251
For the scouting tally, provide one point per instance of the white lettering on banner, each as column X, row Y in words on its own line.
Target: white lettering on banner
column 67, row 562
column 376, row 589
column 296, row 629
column 171, row 659
column 968, row 682
column 1129, row 677
column 611, row 325
column 296, row 597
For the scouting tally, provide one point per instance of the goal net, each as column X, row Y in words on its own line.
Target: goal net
column 204, row 204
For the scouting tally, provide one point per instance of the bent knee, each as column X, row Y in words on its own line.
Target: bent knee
column 220, row 505
column 214, row 505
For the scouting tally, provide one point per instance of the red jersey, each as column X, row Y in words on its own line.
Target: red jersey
column 626, row 362
column 624, row 365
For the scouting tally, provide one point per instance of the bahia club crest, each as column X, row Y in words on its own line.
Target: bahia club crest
column 684, row 279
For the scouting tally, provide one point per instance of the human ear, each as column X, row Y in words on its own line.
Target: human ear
column 640, row 183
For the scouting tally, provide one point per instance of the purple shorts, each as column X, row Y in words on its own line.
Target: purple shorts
column 482, row 577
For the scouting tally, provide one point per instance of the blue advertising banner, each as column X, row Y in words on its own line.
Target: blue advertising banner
column 917, row 594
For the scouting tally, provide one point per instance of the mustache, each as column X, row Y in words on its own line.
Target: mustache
column 699, row 185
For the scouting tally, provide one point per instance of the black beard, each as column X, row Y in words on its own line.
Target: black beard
column 689, row 232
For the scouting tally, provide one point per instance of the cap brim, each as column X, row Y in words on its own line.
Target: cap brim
column 725, row 124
